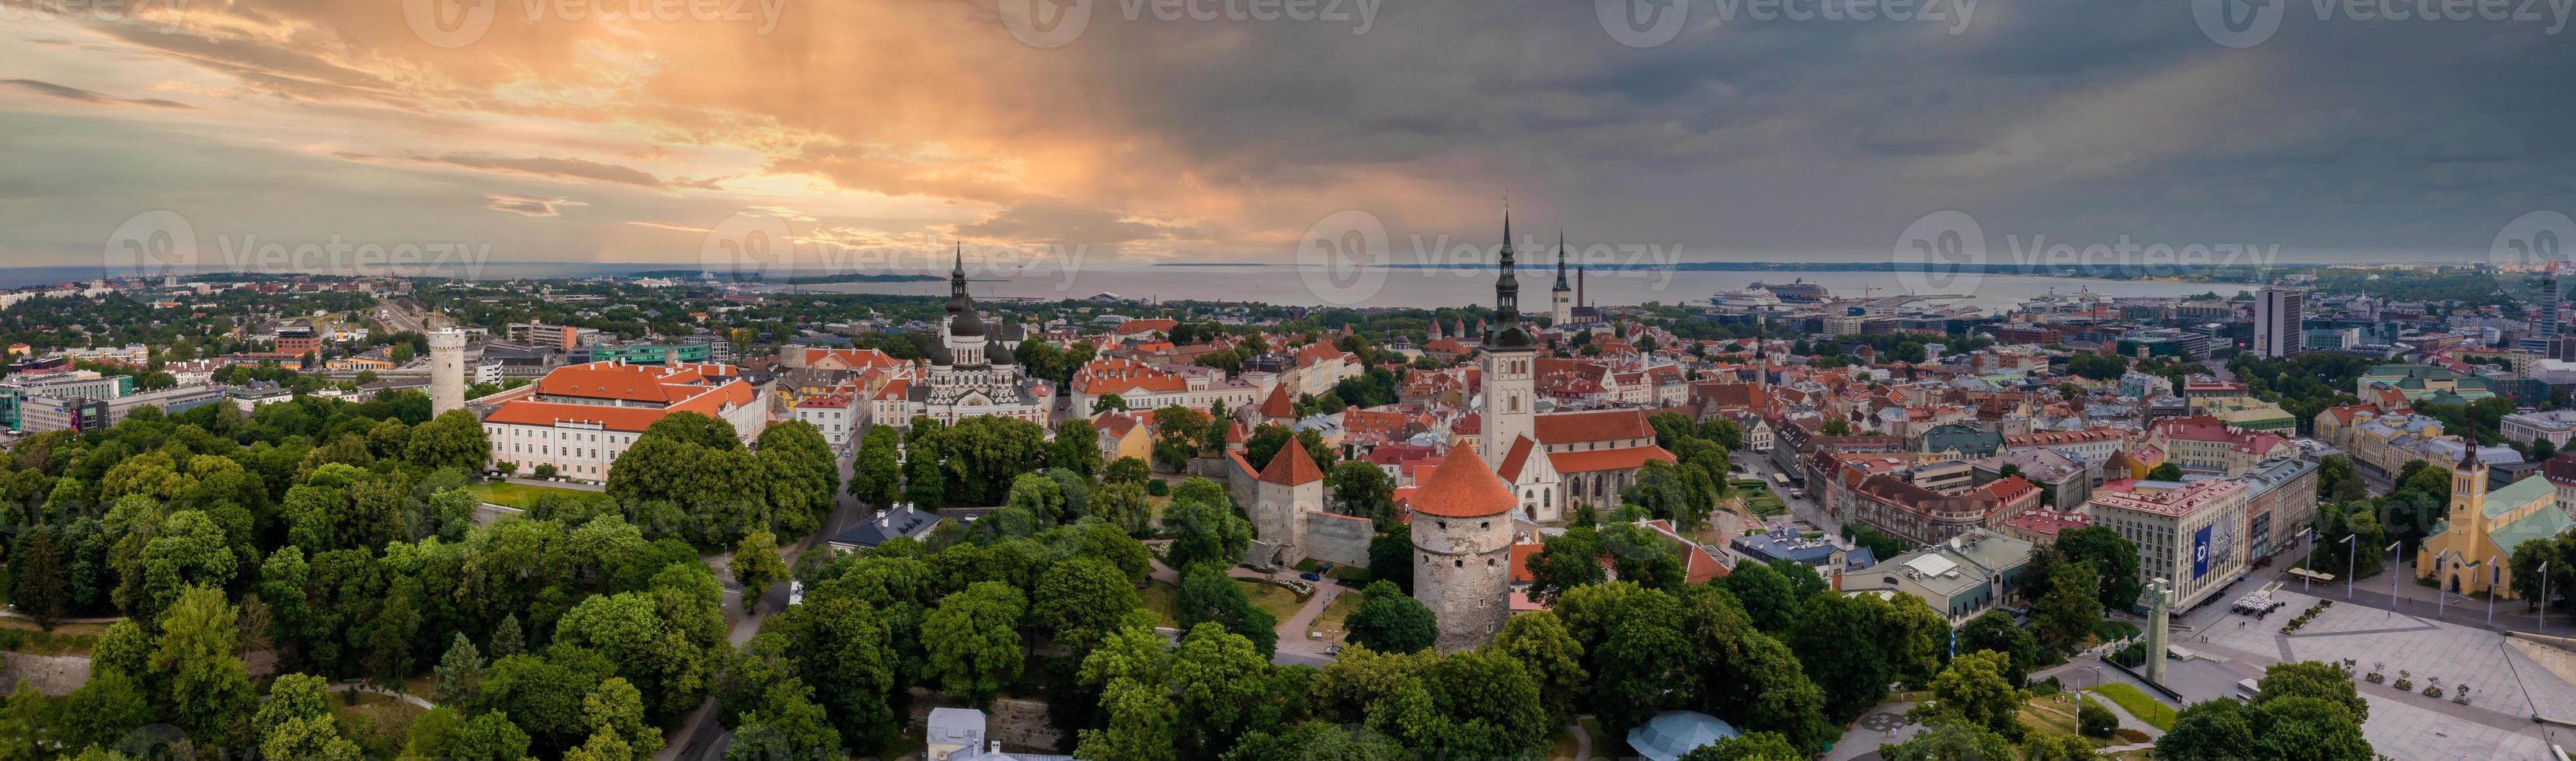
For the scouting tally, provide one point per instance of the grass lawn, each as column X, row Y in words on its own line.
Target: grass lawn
column 520, row 496
column 1280, row 602
column 1158, row 598
column 2052, row 717
column 1271, row 597
column 1329, row 620
column 2137, row 703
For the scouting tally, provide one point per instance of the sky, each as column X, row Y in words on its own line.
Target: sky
column 870, row 134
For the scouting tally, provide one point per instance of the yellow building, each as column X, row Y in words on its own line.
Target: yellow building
column 2482, row 527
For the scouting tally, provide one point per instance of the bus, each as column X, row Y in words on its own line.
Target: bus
column 1780, row 480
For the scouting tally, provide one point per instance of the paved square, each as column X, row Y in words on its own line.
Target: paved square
column 2504, row 684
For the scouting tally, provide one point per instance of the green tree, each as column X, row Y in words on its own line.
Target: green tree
column 2065, row 616
column 1390, row 621
column 756, row 567
column 1204, row 530
column 787, row 725
column 1219, row 677
column 1973, row 690
column 1207, row 595
column 454, row 439
column 1107, row 403
column 2312, row 679
column 876, row 473
column 1541, row 643
column 1176, row 436
column 973, row 640
column 1077, row 447
column 1768, row 597
column 460, row 672
column 1752, row 746
column 1837, row 637
column 2114, row 561
column 1040, row 496
column 208, row 689
column 1125, row 470
column 1958, row 741
column 1082, row 600
column 1364, row 490
column 1995, row 630
column 1565, row 561
column 36, row 581
column 2165, row 472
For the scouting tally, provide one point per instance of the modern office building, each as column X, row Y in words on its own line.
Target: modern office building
column 2277, row 316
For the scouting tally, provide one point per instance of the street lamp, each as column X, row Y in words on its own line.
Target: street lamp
column 2393, row 559
column 2308, row 540
column 2351, row 560
column 2495, row 573
column 2440, row 597
column 2544, row 597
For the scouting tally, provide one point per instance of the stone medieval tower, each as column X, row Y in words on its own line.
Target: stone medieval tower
column 446, row 370
column 1462, row 539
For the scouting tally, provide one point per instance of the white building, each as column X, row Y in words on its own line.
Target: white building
column 1153, row 385
column 579, row 418
column 2554, row 425
column 838, row 416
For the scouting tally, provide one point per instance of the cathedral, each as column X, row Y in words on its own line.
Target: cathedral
column 972, row 372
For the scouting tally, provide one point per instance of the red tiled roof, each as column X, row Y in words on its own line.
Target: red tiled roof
column 1140, row 326
column 1463, row 487
column 1625, row 458
column 1291, row 466
column 1516, row 458
column 1604, row 425
column 1278, row 405
column 1521, row 554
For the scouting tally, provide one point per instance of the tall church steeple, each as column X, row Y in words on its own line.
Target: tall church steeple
column 1561, row 299
column 1509, row 385
column 1506, row 333
column 1560, row 263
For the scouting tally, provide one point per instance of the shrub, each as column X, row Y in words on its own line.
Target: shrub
column 1156, row 487
column 2096, row 721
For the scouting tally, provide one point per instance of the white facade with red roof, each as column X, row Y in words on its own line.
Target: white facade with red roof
column 579, row 418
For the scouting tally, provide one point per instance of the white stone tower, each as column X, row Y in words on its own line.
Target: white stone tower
column 1462, row 540
column 446, row 370
column 1511, row 388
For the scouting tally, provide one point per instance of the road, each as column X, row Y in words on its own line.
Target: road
column 699, row 737
column 1759, row 466
column 2416, row 600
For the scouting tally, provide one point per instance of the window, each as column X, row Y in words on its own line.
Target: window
column 1458, row 563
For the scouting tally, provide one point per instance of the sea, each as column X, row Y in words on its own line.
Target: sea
column 1292, row 285
column 1288, row 285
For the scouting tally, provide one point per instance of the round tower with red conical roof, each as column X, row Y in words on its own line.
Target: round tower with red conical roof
column 1462, row 539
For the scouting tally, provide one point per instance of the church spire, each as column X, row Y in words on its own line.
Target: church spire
column 1560, row 262
column 957, row 281
column 1505, row 333
column 1507, row 288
